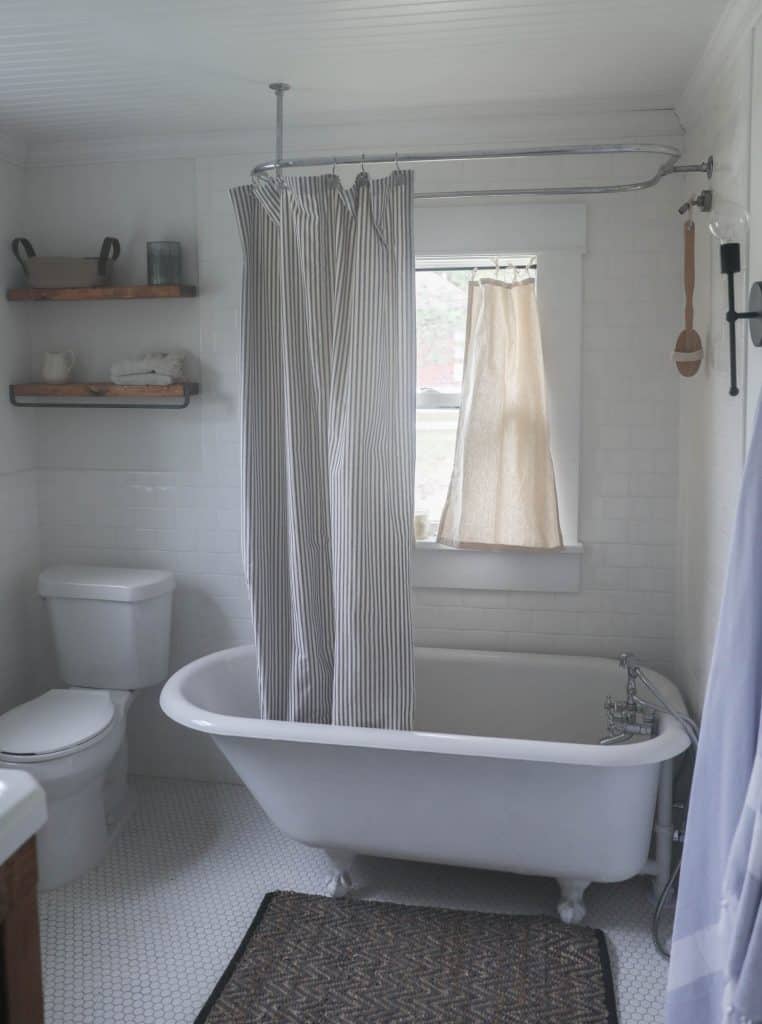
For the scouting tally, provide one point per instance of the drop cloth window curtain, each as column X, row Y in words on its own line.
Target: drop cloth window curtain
column 328, row 329
column 502, row 492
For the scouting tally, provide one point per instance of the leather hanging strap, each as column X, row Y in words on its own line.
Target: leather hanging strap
column 109, row 249
column 689, row 270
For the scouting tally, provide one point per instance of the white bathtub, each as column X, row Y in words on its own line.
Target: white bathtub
column 503, row 771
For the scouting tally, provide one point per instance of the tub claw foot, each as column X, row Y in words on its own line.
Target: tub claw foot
column 340, row 884
column 340, row 881
column 571, row 908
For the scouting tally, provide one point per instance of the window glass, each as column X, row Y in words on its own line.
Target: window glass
column 441, row 305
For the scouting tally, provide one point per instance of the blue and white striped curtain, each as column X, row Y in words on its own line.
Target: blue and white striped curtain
column 328, row 324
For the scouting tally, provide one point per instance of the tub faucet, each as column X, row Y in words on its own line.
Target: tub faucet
column 632, row 716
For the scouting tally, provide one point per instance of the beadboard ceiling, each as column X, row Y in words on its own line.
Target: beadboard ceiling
column 106, row 68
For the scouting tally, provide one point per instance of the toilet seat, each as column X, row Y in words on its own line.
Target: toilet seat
column 56, row 724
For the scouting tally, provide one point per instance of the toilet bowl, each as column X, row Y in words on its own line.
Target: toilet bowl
column 110, row 626
column 70, row 741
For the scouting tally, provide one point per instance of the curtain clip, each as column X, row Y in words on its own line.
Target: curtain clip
column 363, row 177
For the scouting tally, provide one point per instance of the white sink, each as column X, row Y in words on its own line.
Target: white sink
column 23, row 811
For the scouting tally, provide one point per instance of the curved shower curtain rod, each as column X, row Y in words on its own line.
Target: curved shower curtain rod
column 669, row 164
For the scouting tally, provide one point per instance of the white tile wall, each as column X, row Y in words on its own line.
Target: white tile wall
column 162, row 488
column 629, row 468
column 711, row 446
column 19, row 535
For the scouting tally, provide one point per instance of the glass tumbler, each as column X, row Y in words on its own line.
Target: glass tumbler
column 164, row 261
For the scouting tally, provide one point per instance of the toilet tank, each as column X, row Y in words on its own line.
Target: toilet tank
column 111, row 627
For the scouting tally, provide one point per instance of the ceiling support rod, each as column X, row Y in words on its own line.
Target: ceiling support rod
column 279, row 88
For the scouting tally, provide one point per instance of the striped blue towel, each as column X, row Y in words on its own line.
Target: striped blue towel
column 715, row 973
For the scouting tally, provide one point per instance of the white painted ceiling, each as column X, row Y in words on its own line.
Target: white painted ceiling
column 100, row 68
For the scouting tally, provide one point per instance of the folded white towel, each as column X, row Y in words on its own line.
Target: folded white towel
column 142, row 378
column 168, row 364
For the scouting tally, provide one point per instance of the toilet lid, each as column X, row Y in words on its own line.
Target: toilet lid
column 55, row 721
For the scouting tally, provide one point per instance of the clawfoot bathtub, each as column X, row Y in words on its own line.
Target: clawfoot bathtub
column 503, row 771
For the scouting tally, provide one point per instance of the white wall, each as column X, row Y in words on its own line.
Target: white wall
column 137, row 487
column 629, row 466
column 19, row 551
column 161, row 488
column 711, row 447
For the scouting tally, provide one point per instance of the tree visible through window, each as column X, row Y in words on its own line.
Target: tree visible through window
column 441, row 309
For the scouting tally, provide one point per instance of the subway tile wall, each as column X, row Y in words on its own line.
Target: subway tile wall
column 162, row 489
column 19, row 533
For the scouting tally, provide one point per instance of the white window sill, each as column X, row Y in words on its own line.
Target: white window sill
column 435, row 565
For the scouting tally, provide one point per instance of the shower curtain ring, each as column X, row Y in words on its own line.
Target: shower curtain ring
column 362, row 163
column 397, row 162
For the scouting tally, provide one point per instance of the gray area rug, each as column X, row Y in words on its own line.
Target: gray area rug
column 316, row 960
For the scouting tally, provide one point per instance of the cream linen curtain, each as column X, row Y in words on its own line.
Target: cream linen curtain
column 503, row 491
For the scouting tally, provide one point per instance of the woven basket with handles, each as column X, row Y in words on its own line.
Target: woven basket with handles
column 66, row 272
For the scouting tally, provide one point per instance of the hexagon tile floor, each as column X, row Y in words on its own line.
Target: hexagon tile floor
column 143, row 938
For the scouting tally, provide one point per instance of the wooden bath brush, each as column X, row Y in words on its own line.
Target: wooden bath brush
column 688, row 351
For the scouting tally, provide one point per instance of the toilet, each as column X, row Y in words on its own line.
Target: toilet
column 111, row 631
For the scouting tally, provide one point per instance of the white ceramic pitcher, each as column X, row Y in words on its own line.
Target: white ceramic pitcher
column 57, row 367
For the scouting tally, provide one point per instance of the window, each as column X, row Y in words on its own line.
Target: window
column 557, row 232
column 441, row 310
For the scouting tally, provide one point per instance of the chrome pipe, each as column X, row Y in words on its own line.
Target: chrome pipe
column 663, row 828
column 512, row 153
column 668, row 166
column 573, row 190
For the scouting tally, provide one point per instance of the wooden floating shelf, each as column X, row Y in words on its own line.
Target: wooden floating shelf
column 130, row 291
column 104, row 395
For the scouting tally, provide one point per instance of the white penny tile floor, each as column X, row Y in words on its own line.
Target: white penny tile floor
column 143, row 938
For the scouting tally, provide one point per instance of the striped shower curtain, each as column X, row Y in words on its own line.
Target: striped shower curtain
column 328, row 342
